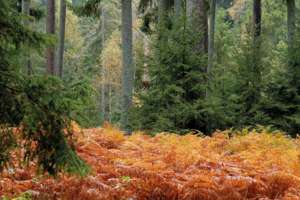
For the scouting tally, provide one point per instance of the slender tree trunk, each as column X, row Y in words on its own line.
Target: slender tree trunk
column 197, row 15
column 178, row 7
column 74, row 2
column 26, row 11
column 128, row 68
column 162, row 12
column 104, row 71
column 257, row 19
column 110, row 102
column 50, row 29
column 255, row 71
column 291, row 21
column 211, row 36
column 62, row 26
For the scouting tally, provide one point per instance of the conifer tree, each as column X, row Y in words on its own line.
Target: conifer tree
column 128, row 68
column 50, row 29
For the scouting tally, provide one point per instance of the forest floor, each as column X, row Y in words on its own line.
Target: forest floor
column 249, row 165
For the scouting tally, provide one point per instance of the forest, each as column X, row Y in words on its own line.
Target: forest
column 149, row 99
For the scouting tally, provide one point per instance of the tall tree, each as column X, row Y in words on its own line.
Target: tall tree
column 257, row 18
column 197, row 14
column 74, row 2
column 62, row 26
column 211, row 35
column 50, row 29
column 105, row 83
column 26, row 11
column 177, row 7
column 163, row 7
column 128, row 68
column 291, row 21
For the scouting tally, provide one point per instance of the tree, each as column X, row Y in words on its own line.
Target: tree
column 211, row 35
column 291, row 21
column 128, row 68
column 26, row 11
column 74, row 2
column 62, row 25
column 177, row 7
column 40, row 105
column 104, row 73
column 197, row 14
column 256, row 19
column 50, row 29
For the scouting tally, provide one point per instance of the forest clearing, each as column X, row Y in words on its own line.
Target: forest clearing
column 231, row 166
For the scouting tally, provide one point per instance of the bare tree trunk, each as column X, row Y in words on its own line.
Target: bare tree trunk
column 197, row 15
column 128, row 68
column 62, row 26
column 211, row 42
column 74, row 2
column 178, row 7
column 291, row 21
column 211, row 35
column 26, row 11
column 255, row 70
column 162, row 12
column 256, row 19
column 50, row 29
column 104, row 71
column 196, row 11
column 110, row 102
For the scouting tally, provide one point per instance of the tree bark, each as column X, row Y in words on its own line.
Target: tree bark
column 104, row 86
column 62, row 26
column 177, row 7
column 211, row 36
column 128, row 68
column 291, row 21
column 50, row 29
column 197, row 15
column 257, row 19
column 74, row 2
column 162, row 12
column 26, row 22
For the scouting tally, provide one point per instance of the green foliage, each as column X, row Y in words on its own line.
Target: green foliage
column 42, row 106
column 282, row 104
column 88, row 8
column 47, row 108
column 177, row 88
column 253, row 81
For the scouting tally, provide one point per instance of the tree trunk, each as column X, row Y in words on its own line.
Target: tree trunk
column 211, row 39
column 50, row 29
column 104, row 93
column 257, row 19
column 162, row 12
column 291, row 21
column 74, row 2
column 177, row 7
column 62, row 26
column 255, row 70
column 110, row 102
column 197, row 15
column 127, row 58
column 26, row 11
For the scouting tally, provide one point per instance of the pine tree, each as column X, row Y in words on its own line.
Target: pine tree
column 62, row 25
column 128, row 68
column 50, row 29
